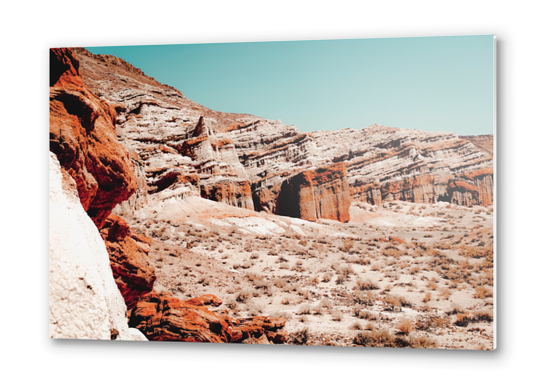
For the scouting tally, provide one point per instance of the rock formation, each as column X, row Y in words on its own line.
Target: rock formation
column 315, row 194
column 160, row 316
column 128, row 254
column 83, row 136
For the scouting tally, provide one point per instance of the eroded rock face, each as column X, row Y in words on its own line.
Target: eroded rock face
column 128, row 255
column 83, row 136
column 169, row 135
column 319, row 194
column 84, row 301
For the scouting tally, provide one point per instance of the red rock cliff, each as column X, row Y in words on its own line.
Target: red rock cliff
column 84, row 139
column 316, row 194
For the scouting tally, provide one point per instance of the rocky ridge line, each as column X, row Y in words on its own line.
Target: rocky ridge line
column 190, row 150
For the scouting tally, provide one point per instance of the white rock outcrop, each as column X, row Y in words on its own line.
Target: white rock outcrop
column 84, row 301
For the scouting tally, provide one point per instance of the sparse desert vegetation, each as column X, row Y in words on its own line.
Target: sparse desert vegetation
column 345, row 284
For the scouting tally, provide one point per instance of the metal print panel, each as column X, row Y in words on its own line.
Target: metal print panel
column 335, row 193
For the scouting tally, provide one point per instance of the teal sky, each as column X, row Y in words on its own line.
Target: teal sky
column 427, row 83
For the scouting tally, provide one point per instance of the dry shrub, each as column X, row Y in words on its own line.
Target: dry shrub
column 282, row 259
column 363, row 298
column 361, row 261
column 204, row 280
column 327, row 277
column 455, row 309
column 300, row 337
column 356, row 326
column 432, row 285
column 243, row 296
column 482, row 292
column 427, row 297
column 405, row 325
column 482, row 316
column 304, row 309
column 422, row 341
column 431, row 323
column 318, row 310
column 326, row 303
column 336, row 315
column 392, row 251
column 395, row 302
column 378, row 338
column 445, row 293
column 254, row 310
column 462, row 320
column 366, row 285
column 362, row 314
column 347, row 245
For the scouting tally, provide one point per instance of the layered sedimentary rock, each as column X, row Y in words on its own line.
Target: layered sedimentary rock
column 83, row 136
column 128, row 254
column 160, row 316
column 386, row 164
column 84, row 301
column 168, row 135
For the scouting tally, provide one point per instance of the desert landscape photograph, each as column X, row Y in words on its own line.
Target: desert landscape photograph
column 319, row 193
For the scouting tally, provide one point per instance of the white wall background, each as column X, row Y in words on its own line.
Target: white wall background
column 28, row 30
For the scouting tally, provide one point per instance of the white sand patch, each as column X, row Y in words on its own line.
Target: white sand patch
column 256, row 225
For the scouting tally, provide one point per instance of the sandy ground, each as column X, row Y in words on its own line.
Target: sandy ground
column 420, row 272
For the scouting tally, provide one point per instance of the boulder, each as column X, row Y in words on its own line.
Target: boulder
column 160, row 316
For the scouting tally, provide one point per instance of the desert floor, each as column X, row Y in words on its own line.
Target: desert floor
column 400, row 275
